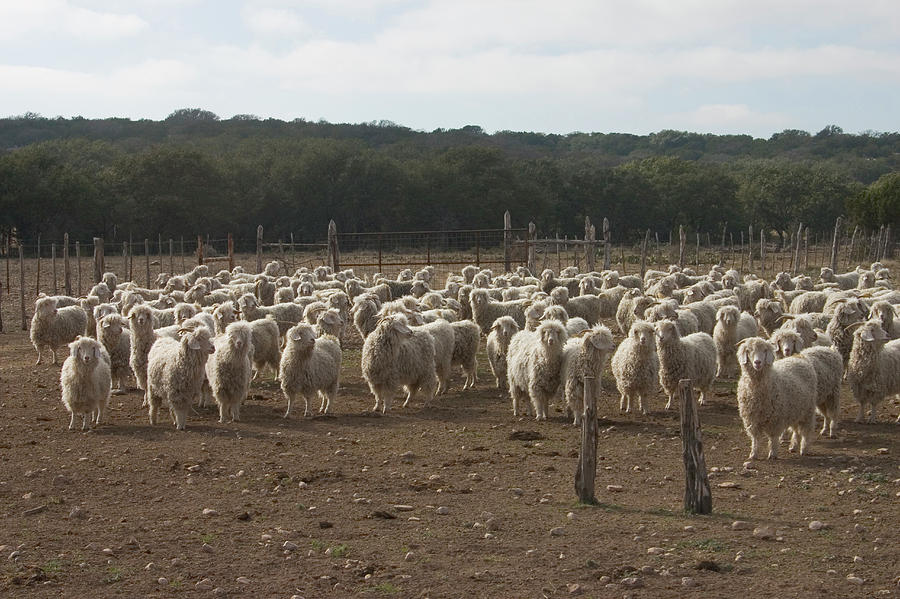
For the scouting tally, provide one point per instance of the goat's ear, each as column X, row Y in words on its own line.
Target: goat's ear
column 295, row 335
column 194, row 343
column 866, row 335
column 743, row 358
column 602, row 343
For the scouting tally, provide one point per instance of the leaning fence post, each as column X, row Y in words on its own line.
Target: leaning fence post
column 586, row 471
column 22, row 286
column 529, row 244
column 697, row 495
column 836, row 242
column 795, row 261
column 259, row 244
column 644, row 253
column 334, row 252
column 682, row 242
column 507, row 238
column 98, row 260
column 67, row 269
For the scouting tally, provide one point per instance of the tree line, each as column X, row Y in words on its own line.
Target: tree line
column 194, row 173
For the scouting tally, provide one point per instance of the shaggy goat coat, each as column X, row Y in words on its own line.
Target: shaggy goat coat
column 309, row 366
column 85, row 381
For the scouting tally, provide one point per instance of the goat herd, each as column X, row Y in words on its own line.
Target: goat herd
column 198, row 337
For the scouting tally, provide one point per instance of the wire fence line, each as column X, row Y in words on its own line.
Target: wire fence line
column 71, row 267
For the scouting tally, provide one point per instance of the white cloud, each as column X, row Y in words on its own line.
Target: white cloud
column 50, row 18
column 275, row 21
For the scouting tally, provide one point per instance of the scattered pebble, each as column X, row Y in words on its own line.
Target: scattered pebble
column 207, row 548
column 817, row 525
column 492, row 524
column 400, row 507
column 410, row 556
column 857, row 559
column 442, row 510
column 655, row 551
column 209, row 512
column 574, row 588
column 852, row 579
column 289, row 546
column 557, row 532
column 204, row 585
column 741, row 525
column 763, row 532
column 517, row 491
column 689, row 528
column 632, row 582
column 615, row 488
column 162, row 581
column 242, row 580
column 687, row 581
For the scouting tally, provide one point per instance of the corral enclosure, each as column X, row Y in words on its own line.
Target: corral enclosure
column 456, row 498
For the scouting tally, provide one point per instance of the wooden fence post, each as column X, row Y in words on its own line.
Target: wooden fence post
column 199, row 250
column 181, row 250
column 532, row 230
column 8, row 258
column 722, row 246
column 230, row 252
column 507, row 238
column 586, row 471
column 697, row 495
column 22, row 286
column 78, row 265
column 644, row 245
column 334, row 252
column 147, row 260
column 67, row 269
column 1, row 306
column 159, row 252
column 171, row 257
column 659, row 258
column 836, row 242
column 37, row 281
column 795, row 260
column 53, row 267
column 606, row 237
column 98, row 260
column 682, row 241
column 259, row 244
column 885, row 252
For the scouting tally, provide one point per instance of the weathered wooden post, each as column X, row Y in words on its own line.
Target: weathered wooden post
column 67, row 269
column 259, row 247
column 697, row 495
column 624, row 269
column 530, row 260
column 159, row 251
column 806, row 248
column 852, row 246
column 98, row 260
column 230, row 252
column 147, row 260
column 682, row 241
column 78, row 265
column 37, row 281
column 722, row 246
column 22, row 286
column 659, row 258
column 199, row 250
column 644, row 245
column 181, row 249
column 836, row 242
column 55, row 287
column 507, row 238
column 606, row 235
column 586, row 471
column 8, row 258
column 334, row 252
column 171, row 257
column 885, row 248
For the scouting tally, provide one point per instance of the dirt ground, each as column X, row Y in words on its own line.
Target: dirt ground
column 455, row 499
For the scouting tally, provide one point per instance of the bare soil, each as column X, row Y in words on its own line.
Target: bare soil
column 119, row 510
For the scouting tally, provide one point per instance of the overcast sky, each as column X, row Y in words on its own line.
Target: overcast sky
column 635, row 66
